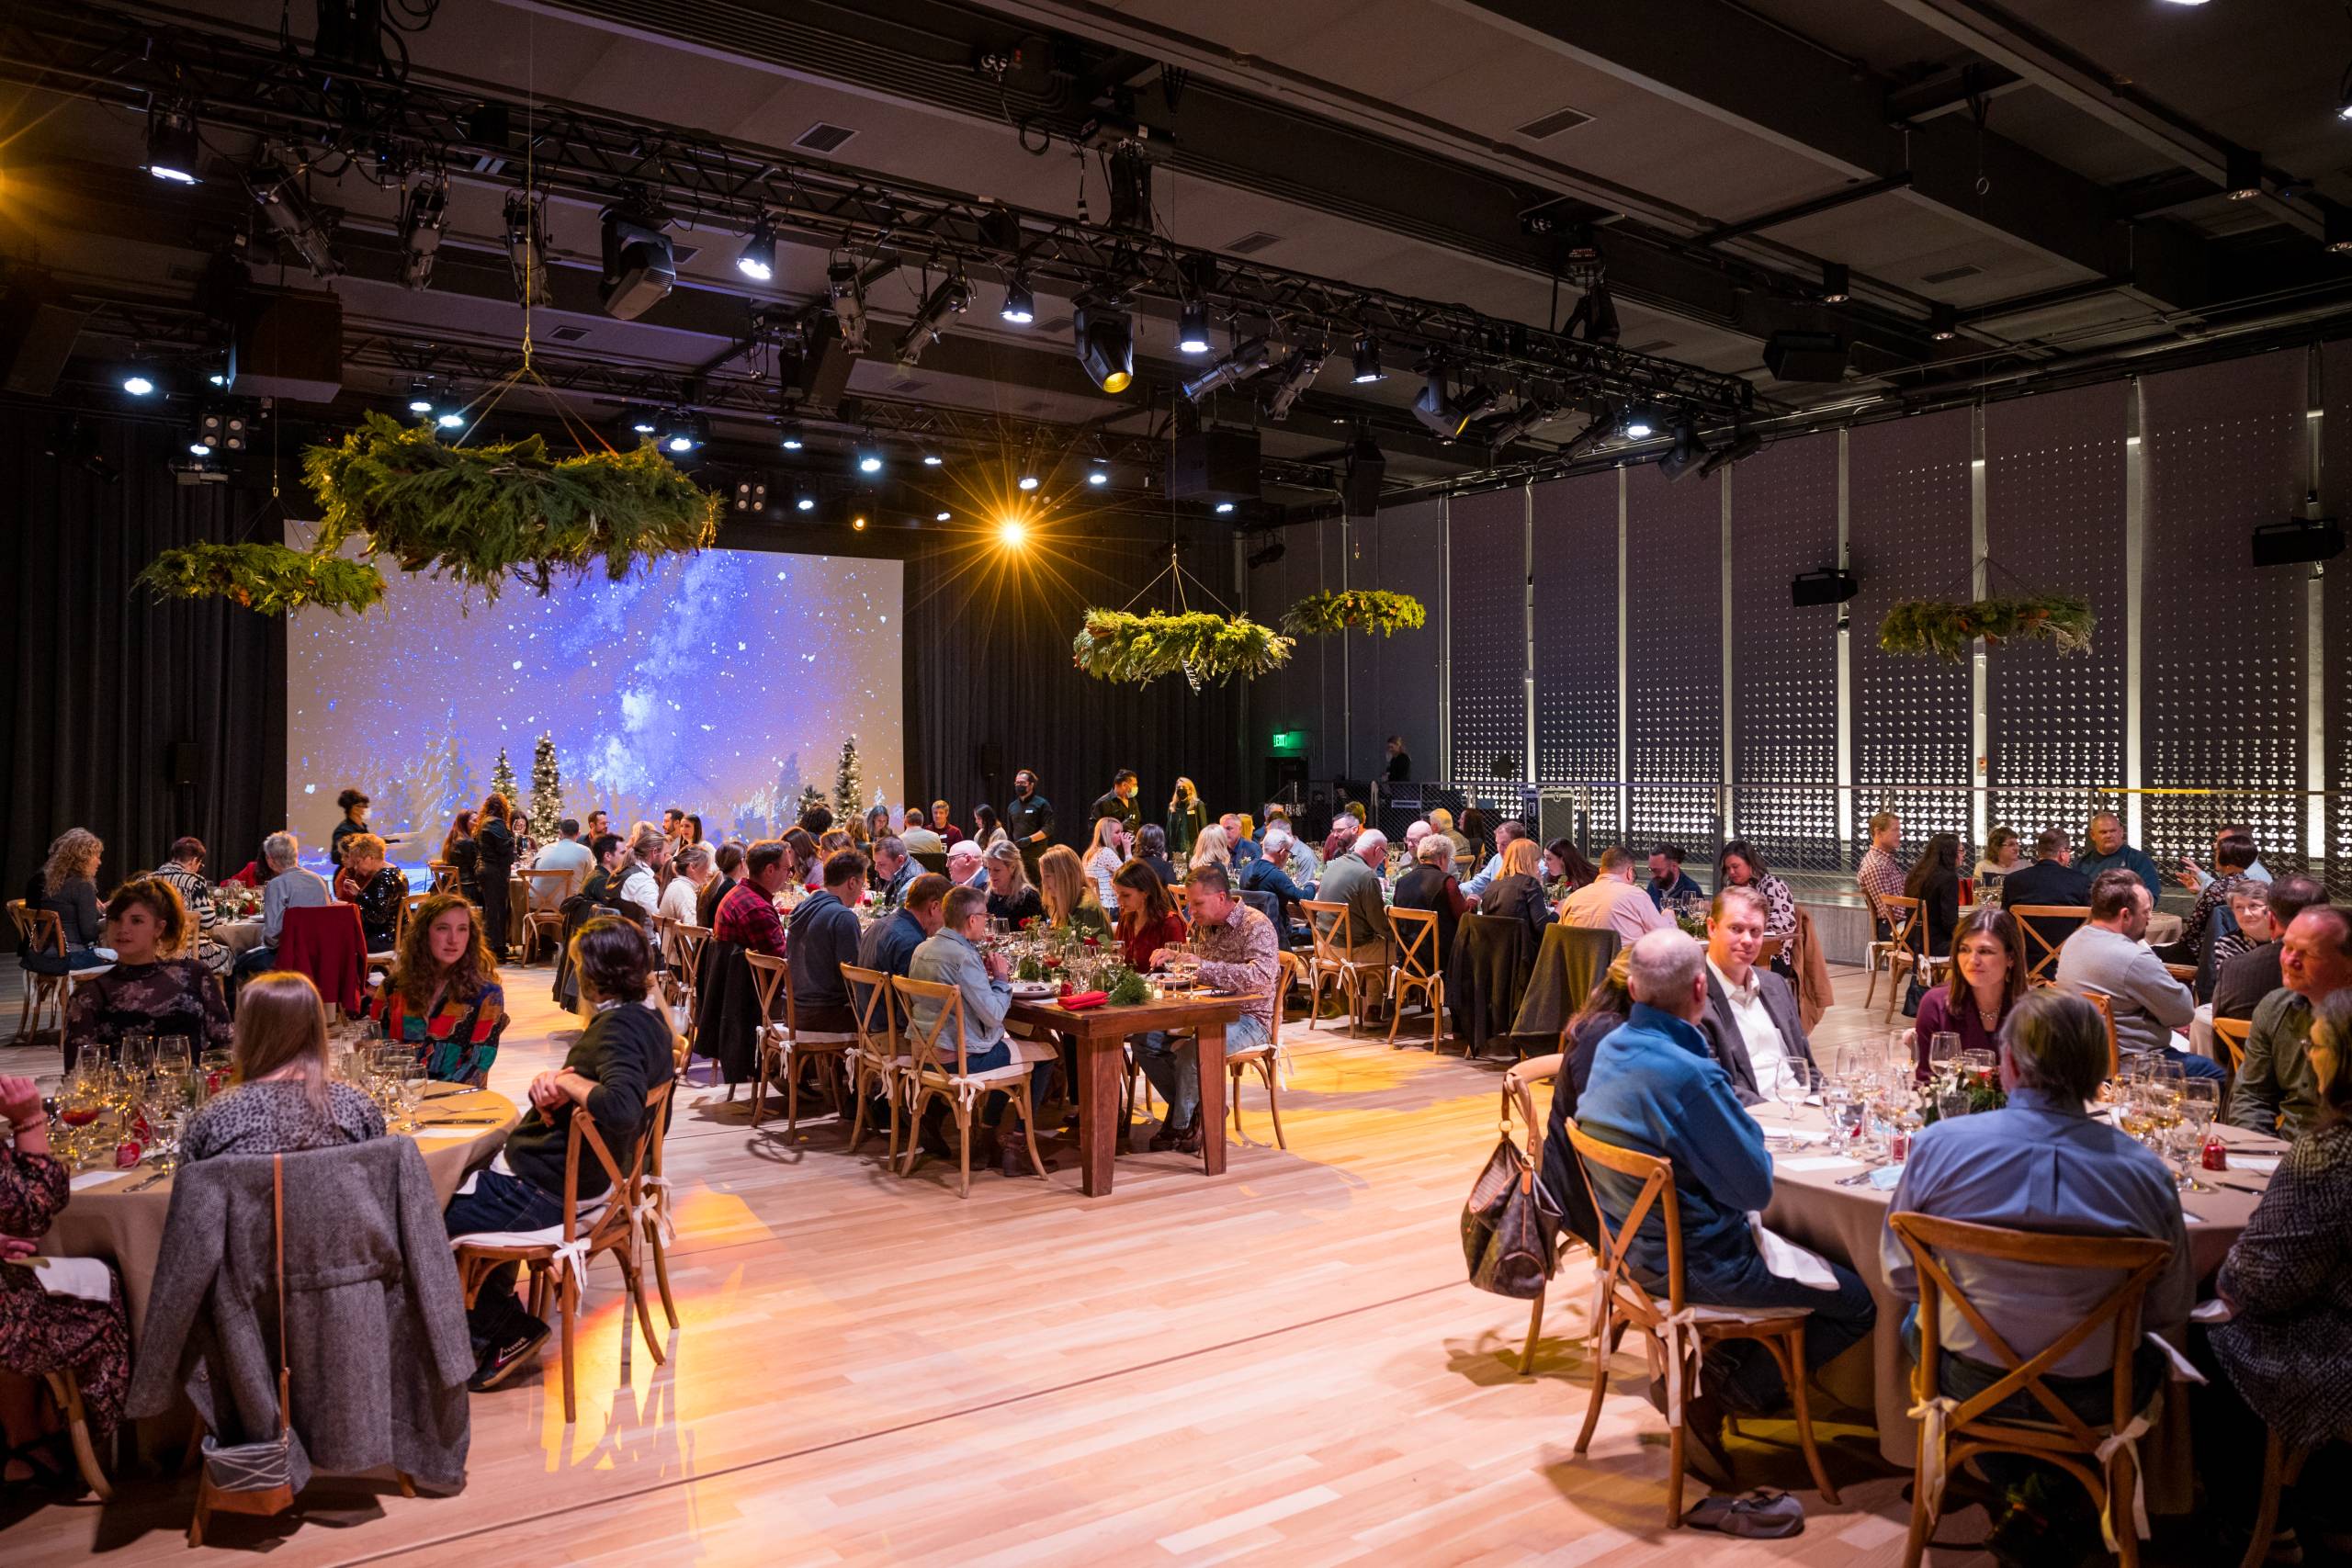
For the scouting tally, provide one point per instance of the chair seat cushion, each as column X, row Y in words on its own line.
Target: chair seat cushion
column 813, row 1038
column 1702, row 1313
column 548, row 1235
column 994, row 1075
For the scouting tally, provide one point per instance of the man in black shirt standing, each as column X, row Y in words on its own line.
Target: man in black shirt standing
column 1120, row 803
column 1400, row 765
column 1029, row 820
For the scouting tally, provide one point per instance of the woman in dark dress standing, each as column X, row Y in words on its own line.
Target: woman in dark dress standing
column 494, row 869
column 457, row 849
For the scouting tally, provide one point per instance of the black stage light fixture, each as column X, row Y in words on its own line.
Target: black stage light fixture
column 1246, row 359
column 1367, row 357
column 752, row 495
column 1297, row 374
column 1444, row 412
column 2297, row 540
column 527, row 247
column 1805, row 357
column 1105, row 337
column 952, row 298
column 681, row 431
column 1837, row 283
column 1019, row 305
column 1192, row 328
column 845, row 291
column 1636, row 423
column 421, row 217
column 1687, row 456
column 1595, row 317
column 420, row 396
column 756, row 261
column 1582, row 263
column 1943, row 322
column 1743, row 445
column 220, row 432
column 2338, row 222
column 281, row 200
column 640, row 269
column 2241, row 174
column 790, row 438
column 1360, row 483
column 641, row 421
column 1497, row 430
column 1274, row 550
column 1827, row 586
column 174, row 150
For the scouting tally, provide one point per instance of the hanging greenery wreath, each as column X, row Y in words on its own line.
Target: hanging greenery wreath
column 270, row 578
column 1117, row 645
column 1357, row 609
column 1945, row 628
column 483, row 514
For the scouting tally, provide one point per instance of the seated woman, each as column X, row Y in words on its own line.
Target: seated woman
column 1210, row 847
column 986, row 831
column 728, row 862
column 66, row 885
column 1739, row 865
column 1517, row 892
column 804, row 863
column 1935, row 881
column 443, row 996
column 41, row 1333
column 1147, row 917
column 1565, row 869
column 379, row 891
column 1104, row 854
column 1009, row 896
column 618, row 1059
column 2288, row 1282
column 1151, row 848
column 153, row 986
column 1068, row 894
column 458, row 849
column 2004, row 852
column 254, row 874
column 1433, row 884
column 1987, row 977
column 282, row 1100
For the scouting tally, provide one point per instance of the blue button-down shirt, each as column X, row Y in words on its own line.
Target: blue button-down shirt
column 1656, row 1088
column 2041, row 1165
column 2128, row 858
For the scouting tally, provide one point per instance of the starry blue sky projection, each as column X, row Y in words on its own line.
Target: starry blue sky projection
column 718, row 682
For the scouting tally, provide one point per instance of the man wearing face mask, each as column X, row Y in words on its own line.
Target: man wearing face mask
column 1029, row 820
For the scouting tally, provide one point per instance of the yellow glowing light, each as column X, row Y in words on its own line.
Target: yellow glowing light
column 1013, row 533
column 858, row 523
column 1116, row 382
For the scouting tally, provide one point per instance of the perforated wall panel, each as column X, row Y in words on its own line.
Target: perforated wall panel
column 1576, row 647
column 2221, row 670
column 1489, row 635
column 2336, row 494
column 1784, row 659
column 1673, row 655
column 2053, row 501
column 1907, row 516
column 1393, row 680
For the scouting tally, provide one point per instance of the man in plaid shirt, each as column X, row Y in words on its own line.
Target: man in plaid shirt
column 1238, row 952
column 1880, row 874
column 747, row 915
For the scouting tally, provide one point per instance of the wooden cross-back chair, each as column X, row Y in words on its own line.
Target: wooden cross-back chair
column 2040, row 952
column 1881, row 949
column 783, row 1041
column 686, row 944
column 879, row 1059
column 2230, row 1035
column 40, row 931
column 1965, row 1427
column 443, row 874
column 559, row 1263
column 1516, row 1097
column 1678, row 1330
column 1908, row 955
column 2106, row 1021
column 541, row 913
column 938, row 1068
column 1334, row 943
column 1266, row 1059
column 1420, row 971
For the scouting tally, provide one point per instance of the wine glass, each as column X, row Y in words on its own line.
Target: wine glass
column 1943, row 1050
column 2200, row 1104
column 139, row 1052
column 408, row 1087
column 1792, row 1085
column 172, row 1058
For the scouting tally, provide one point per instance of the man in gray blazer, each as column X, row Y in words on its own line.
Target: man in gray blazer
column 1751, row 1022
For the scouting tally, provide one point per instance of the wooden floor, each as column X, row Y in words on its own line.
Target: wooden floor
column 1281, row 1366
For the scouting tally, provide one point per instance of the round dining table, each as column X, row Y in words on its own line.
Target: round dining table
column 1821, row 1199
column 118, row 1216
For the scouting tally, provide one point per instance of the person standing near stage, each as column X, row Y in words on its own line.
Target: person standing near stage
column 1029, row 820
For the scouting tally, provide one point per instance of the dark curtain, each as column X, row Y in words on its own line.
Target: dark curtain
column 990, row 687
column 111, row 691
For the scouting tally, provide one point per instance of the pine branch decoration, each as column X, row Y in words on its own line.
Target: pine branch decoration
column 1115, row 645
column 1355, row 609
column 272, row 580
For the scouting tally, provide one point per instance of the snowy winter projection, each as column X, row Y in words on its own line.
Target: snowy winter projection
column 719, row 683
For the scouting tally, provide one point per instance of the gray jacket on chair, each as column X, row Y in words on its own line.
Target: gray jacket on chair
column 375, row 1318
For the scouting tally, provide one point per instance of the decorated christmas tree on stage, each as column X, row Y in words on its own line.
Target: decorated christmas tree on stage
column 501, row 779
column 845, row 783
column 547, row 792
column 810, row 796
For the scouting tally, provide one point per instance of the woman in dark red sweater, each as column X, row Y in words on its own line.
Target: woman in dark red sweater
column 1148, row 921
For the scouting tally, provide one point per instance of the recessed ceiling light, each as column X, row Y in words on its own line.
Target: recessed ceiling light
column 943, row 516
column 138, row 384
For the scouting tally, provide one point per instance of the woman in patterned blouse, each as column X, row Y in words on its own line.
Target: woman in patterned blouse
column 379, row 891
column 1740, row 866
column 443, row 996
column 146, row 990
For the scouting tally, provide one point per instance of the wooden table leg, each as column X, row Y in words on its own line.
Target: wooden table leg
column 1098, row 1114
column 1209, row 1041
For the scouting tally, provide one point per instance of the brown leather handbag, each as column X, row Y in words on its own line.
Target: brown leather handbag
column 1510, row 1227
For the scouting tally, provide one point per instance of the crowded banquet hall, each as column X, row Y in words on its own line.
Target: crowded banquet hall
column 988, row 782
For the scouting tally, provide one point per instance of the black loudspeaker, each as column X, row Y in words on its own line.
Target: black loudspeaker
column 37, row 337
column 186, row 761
column 1805, row 357
column 1824, row 587
column 1214, row 465
column 2299, row 540
column 1360, row 489
column 290, row 345
column 815, row 375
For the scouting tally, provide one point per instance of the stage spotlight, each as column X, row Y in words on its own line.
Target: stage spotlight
column 1531, row 415
column 1837, row 283
column 791, row 439
column 952, row 298
column 1595, row 317
column 1104, row 338
column 1368, row 359
column 1020, row 306
column 1192, row 328
column 806, row 504
column 2241, row 174
column 527, row 247
column 1444, row 412
column 1943, row 322
column 932, row 459
column 1100, row 474
column 1245, row 360
column 682, row 432
column 420, row 398
column 2338, row 235
column 845, row 291
column 1743, row 445
column 644, row 422
column 869, row 460
column 422, row 216
column 1013, row 533
column 1298, row 373
column 1687, row 456
column 1636, row 424
column 217, row 430
column 139, row 384
column 756, row 261
column 173, row 149
column 1028, row 482
column 1224, row 507
column 858, row 523
column 943, row 517
column 750, row 495
column 279, row 197
column 198, row 449
column 640, row 268
column 451, row 420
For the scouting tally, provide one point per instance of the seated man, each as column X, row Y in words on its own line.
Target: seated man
column 888, row 946
column 1354, row 879
column 747, row 916
column 1670, row 884
column 2249, row 976
column 2107, row 851
column 824, row 937
column 2051, row 880
column 293, row 887
column 567, row 854
column 1269, row 873
column 2277, row 1090
column 2041, row 1165
column 1238, row 952
column 2110, row 956
column 1751, row 1020
column 1509, row 829
column 1654, row 1088
column 967, row 864
column 894, row 868
column 1611, row 902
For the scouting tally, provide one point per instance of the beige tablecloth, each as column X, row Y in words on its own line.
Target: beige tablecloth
column 238, row 936
column 126, row 1226
column 1846, row 1223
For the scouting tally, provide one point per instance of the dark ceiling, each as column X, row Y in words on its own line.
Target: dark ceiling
column 2044, row 181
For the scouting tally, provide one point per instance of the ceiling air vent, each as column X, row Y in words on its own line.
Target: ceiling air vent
column 569, row 335
column 1552, row 124
column 1249, row 244
column 822, row 137
column 1952, row 274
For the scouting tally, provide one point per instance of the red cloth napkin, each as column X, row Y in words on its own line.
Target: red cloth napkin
column 1084, row 999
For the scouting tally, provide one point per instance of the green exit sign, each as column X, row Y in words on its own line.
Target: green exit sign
column 1290, row 741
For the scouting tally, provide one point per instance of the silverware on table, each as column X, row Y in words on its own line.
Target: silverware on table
column 152, row 1178
column 459, row 1122
column 1859, row 1176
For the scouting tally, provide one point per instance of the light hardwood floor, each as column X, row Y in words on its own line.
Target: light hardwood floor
column 1280, row 1366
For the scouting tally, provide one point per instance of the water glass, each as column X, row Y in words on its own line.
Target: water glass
column 1943, row 1050
column 1978, row 1061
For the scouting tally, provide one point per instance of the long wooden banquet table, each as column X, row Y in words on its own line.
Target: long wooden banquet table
column 1815, row 1203
column 1099, row 1034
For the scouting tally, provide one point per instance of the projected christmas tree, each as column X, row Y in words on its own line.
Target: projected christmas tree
column 846, row 782
column 501, row 779
column 546, row 791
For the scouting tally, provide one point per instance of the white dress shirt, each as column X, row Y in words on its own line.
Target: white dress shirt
column 1766, row 1050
